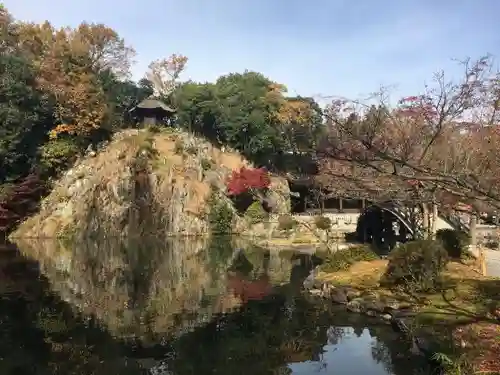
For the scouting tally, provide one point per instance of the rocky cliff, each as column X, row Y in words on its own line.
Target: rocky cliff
column 142, row 182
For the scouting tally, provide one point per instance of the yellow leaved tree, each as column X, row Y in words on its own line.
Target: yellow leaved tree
column 68, row 63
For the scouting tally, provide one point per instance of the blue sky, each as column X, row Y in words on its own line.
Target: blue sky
column 320, row 47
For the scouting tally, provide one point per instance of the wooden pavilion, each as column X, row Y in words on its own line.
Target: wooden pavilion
column 152, row 111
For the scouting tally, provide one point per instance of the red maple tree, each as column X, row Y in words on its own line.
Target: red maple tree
column 247, row 180
column 22, row 201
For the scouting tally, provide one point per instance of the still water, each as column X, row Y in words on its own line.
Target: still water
column 188, row 306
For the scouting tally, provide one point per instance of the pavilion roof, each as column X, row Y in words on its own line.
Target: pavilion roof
column 152, row 103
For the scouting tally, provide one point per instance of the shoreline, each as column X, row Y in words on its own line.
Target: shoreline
column 440, row 325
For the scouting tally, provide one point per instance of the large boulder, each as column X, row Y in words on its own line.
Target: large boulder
column 159, row 183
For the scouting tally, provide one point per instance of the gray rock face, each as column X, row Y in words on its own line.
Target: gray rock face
column 278, row 196
column 122, row 191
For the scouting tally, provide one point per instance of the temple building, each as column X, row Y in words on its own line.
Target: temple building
column 152, row 111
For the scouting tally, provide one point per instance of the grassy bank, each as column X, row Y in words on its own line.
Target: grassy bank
column 462, row 317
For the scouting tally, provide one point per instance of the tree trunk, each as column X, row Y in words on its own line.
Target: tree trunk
column 473, row 231
column 473, row 244
column 425, row 220
column 434, row 220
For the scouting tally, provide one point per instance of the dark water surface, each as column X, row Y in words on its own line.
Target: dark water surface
column 189, row 306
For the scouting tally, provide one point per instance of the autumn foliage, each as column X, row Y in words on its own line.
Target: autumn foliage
column 68, row 63
column 247, row 179
column 445, row 137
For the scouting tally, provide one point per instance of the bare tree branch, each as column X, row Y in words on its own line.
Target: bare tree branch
column 443, row 138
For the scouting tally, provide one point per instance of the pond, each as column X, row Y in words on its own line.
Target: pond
column 187, row 306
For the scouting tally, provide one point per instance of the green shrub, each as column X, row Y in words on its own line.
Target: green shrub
column 220, row 215
column 255, row 213
column 416, row 265
column 179, row 147
column 286, row 222
column 341, row 260
column 57, row 154
column 147, row 149
column 322, row 222
column 206, row 164
column 455, row 242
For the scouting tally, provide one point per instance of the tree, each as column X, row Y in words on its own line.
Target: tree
column 247, row 188
column 300, row 121
column 198, row 110
column 444, row 138
column 248, row 179
column 121, row 97
column 164, row 74
column 245, row 117
column 251, row 113
column 8, row 38
column 25, row 117
column 68, row 62
column 105, row 48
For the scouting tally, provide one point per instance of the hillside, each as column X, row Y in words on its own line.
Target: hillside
column 142, row 182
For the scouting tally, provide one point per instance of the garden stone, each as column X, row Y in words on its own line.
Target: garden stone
column 339, row 295
column 356, row 305
column 387, row 317
column 371, row 313
column 316, row 292
column 391, row 305
column 374, row 305
column 352, row 294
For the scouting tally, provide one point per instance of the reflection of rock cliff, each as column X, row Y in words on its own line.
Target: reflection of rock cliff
column 141, row 182
column 145, row 288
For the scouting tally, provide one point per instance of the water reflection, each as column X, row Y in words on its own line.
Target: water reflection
column 144, row 288
column 193, row 306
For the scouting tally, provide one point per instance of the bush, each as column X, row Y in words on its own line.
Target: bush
column 206, row 164
column 455, row 242
column 255, row 213
column 416, row 265
column 342, row 260
column 57, row 154
column 286, row 222
column 247, row 179
column 179, row 147
column 220, row 215
column 322, row 222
